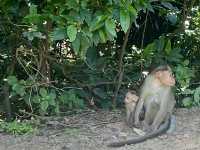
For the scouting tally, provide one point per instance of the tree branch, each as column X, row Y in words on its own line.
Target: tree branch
column 121, row 69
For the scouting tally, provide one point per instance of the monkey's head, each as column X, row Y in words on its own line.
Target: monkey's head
column 164, row 75
column 131, row 97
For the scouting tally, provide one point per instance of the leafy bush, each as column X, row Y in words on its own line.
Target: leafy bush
column 161, row 51
column 16, row 127
column 70, row 100
column 191, row 97
column 45, row 99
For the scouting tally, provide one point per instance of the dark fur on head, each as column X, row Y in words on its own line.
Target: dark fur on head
column 132, row 92
column 161, row 68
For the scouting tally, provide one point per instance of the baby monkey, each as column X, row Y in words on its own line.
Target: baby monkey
column 130, row 101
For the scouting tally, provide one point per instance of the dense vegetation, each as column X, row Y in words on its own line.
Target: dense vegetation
column 60, row 55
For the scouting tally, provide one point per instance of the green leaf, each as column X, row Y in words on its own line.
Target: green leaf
column 58, row 34
column 124, row 19
column 96, row 26
column 186, row 62
column 43, row 92
column 160, row 43
column 71, row 32
column 85, row 44
column 36, row 99
column 187, row 102
column 44, row 105
column 52, row 94
column 102, row 36
column 22, row 82
column 12, row 80
column 132, row 11
column 52, row 102
column 110, row 26
column 96, row 38
column 20, row 90
column 149, row 7
column 15, row 86
column 97, row 23
column 77, row 44
column 168, row 47
column 149, row 49
column 86, row 15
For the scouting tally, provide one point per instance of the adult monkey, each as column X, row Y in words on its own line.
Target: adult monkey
column 158, row 101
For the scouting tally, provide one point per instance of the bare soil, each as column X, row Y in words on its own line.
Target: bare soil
column 93, row 130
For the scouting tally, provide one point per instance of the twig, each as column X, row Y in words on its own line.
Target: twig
column 142, row 42
column 34, row 115
column 121, row 70
column 143, row 33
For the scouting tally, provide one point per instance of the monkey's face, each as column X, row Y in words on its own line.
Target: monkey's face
column 166, row 78
column 131, row 98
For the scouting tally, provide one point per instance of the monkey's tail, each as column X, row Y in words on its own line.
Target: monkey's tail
column 163, row 128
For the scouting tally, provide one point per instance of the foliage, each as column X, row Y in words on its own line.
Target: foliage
column 192, row 97
column 71, row 100
column 161, row 51
column 47, row 99
column 17, row 128
column 184, row 74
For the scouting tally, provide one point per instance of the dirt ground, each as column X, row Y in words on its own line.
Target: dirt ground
column 93, row 130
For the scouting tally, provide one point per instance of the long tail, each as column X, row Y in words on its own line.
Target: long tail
column 156, row 133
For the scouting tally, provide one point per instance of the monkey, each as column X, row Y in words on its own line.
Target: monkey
column 157, row 100
column 130, row 101
column 156, row 97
